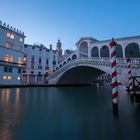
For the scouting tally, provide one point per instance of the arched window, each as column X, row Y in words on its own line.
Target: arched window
column 83, row 49
column 69, row 60
column 6, row 58
column 119, row 51
column 132, row 50
column 20, row 60
column 104, row 52
column 95, row 52
column 64, row 63
column 11, row 58
column 74, row 56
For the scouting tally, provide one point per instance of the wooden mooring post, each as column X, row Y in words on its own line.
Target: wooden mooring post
column 135, row 94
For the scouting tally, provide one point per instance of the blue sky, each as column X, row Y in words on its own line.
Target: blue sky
column 44, row 21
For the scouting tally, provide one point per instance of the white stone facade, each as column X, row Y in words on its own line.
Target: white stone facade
column 11, row 55
column 40, row 62
column 92, row 53
column 127, row 47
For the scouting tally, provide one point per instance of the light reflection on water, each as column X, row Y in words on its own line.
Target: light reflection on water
column 71, row 113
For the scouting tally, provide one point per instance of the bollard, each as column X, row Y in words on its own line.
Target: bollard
column 130, row 87
column 114, row 77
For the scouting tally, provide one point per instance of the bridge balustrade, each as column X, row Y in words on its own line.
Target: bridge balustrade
column 105, row 61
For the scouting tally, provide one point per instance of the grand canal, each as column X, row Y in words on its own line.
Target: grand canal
column 66, row 113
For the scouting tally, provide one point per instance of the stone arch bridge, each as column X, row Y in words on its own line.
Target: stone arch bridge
column 92, row 58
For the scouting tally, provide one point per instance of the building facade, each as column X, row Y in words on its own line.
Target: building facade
column 59, row 51
column 40, row 62
column 12, row 62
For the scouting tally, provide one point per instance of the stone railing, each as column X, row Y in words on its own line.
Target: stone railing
column 121, row 62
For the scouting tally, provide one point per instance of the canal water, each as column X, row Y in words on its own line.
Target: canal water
column 66, row 113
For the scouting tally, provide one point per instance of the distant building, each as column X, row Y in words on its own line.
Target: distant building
column 12, row 56
column 59, row 50
column 67, row 53
column 40, row 61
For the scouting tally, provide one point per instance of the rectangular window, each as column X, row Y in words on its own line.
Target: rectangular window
column 32, row 66
column 40, row 60
column 21, row 39
column 4, row 77
column 19, row 70
column 47, row 61
column 32, row 59
column 9, row 77
column 10, row 69
column 18, row 78
column 9, row 45
column 5, row 69
column 12, row 36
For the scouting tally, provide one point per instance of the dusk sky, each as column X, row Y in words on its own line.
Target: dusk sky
column 44, row 21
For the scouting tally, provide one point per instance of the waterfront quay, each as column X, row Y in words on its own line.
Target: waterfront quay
column 67, row 113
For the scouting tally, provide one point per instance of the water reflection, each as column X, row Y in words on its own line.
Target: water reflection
column 65, row 113
column 9, row 113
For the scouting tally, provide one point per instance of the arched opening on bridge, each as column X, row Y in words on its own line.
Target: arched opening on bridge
column 95, row 52
column 80, row 75
column 60, row 65
column 83, row 49
column 64, row 63
column 104, row 52
column 74, row 56
column 69, row 60
column 119, row 51
column 132, row 50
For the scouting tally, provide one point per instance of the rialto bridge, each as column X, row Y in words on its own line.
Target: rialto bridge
column 92, row 58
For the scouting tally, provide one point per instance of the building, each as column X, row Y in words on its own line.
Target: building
column 67, row 53
column 12, row 56
column 40, row 61
column 59, row 50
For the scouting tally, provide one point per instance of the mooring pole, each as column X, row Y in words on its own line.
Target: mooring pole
column 114, row 77
column 128, row 60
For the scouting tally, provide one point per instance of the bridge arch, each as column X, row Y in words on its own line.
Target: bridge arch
column 119, row 51
column 104, row 51
column 132, row 50
column 60, row 65
column 83, row 49
column 64, row 62
column 95, row 52
column 79, row 75
column 74, row 56
column 69, row 59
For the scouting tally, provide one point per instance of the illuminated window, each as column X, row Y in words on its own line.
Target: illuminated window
column 7, row 58
column 11, row 58
column 25, row 60
column 20, row 48
column 12, row 36
column 8, row 35
column 18, row 78
column 20, row 60
column 9, row 45
column 9, row 77
column 4, row 77
column 21, row 39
